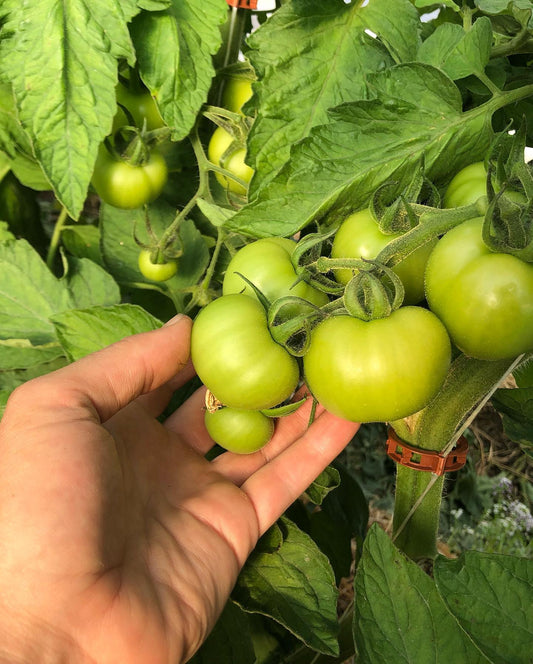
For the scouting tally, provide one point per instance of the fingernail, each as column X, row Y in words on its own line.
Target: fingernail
column 175, row 319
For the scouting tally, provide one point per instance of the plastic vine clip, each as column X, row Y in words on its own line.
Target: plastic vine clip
column 243, row 4
column 428, row 461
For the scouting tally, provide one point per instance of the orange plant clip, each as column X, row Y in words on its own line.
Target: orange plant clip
column 426, row 460
column 243, row 4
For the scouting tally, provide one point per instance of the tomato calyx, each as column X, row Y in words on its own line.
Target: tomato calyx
column 285, row 409
column 311, row 265
column 158, row 260
column 395, row 210
column 291, row 321
column 508, row 222
column 374, row 292
column 234, row 123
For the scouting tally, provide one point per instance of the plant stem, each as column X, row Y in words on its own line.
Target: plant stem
column 202, row 190
column 469, row 385
column 56, row 235
column 416, row 512
column 514, row 45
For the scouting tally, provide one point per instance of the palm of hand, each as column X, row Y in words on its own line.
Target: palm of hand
column 129, row 540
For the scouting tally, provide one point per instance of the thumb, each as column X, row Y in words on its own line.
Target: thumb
column 109, row 379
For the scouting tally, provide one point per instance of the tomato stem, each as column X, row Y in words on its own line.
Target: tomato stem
column 469, row 385
column 54, row 241
column 416, row 512
column 432, row 223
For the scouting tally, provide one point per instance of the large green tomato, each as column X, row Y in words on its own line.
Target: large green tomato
column 267, row 264
column 142, row 107
column 379, row 370
column 123, row 185
column 467, row 186
column 236, row 357
column 237, row 91
column 485, row 299
column 232, row 160
column 359, row 236
column 239, row 431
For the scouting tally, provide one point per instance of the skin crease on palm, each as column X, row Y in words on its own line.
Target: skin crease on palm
column 119, row 541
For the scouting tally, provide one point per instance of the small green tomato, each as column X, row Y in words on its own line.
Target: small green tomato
column 239, row 431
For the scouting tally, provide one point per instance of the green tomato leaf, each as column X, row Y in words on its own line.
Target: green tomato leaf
column 415, row 112
column 29, row 172
column 154, row 5
column 431, row 3
column 516, row 408
column 521, row 10
column 294, row 585
column 21, row 354
column 216, row 214
column 328, row 480
column 84, row 331
column 4, row 396
column 29, row 294
column 5, row 233
column 10, row 379
column 456, row 52
column 89, row 284
column 229, row 641
column 490, row 596
column 13, row 138
column 62, row 62
column 82, row 241
column 174, row 50
column 399, row 615
column 312, row 55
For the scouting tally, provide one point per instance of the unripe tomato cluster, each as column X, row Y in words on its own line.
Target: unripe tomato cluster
column 458, row 293
column 223, row 149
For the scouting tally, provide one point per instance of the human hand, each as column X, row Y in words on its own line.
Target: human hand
column 119, row 542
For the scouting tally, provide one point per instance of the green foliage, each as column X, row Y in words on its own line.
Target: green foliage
column 347, row 97
column 478, row 609
column 288, row 579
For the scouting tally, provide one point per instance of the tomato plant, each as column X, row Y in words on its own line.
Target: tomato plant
column 379, row 370
column 156, row 271
column 239, row 431
column 221, row 153
column 352, row 102
column 359, row 236
column 125, row 185
column 267, row 264
column 485, row 299
column 237, row 359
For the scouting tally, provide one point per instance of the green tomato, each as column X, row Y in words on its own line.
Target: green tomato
column 359, row 236
column 239, row 431
column 232, row 160
column 141, row 105
column 236, row 357
column 156, row 271
column 379, row 370
column 237, row 91
column 485, row 299
column 467, row 186
column 267, row 264
column 126, row 186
